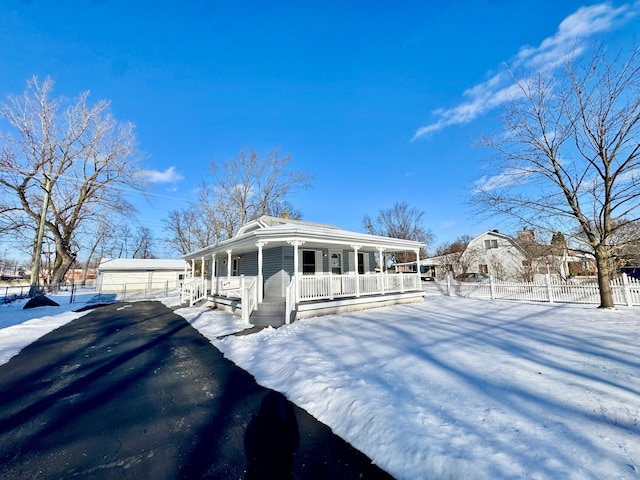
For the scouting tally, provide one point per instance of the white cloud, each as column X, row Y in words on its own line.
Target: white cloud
column 154, row 176
column 508, row 178
column 569, row 39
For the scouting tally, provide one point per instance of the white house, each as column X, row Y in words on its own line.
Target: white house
column 507, row 258
column 276, row 270
column 132, row 274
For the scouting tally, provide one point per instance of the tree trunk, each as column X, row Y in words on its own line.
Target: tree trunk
column 604, row 282
column 63, row 262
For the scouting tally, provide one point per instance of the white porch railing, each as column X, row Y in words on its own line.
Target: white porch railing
column 248, row 296
column 323, row 287
column 193, row 290
column 243, row 287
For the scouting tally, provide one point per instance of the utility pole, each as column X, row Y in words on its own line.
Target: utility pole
column 35, row 270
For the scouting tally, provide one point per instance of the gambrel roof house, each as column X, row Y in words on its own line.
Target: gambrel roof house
column 275, row 270
column 507, row 258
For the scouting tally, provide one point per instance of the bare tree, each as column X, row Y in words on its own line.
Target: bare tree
column 244, row 188
column 399, row 221
column 254, row 186
column 143, row 243
column 454, row 257
column 570, row 155
column 64, row 164
column 626, row 245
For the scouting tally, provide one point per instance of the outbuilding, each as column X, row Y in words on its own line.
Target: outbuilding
column 120, row 275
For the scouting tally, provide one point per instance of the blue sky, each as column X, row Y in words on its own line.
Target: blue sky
column 381, row 102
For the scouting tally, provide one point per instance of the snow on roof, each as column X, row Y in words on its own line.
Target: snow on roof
column 269, row 221
column 141, row 264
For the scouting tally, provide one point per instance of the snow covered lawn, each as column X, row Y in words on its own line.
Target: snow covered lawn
column 463, row 389
column 449, row 388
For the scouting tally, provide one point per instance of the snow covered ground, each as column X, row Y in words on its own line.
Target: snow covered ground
column 451, row 388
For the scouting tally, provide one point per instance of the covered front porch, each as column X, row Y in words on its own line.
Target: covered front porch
column 275, row 274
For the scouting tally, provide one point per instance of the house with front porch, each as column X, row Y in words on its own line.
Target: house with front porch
column 276, row 270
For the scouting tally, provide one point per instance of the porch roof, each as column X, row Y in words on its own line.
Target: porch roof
column 278, row 233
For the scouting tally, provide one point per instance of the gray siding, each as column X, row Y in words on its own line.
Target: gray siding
column 249, row 264
column 274, row 270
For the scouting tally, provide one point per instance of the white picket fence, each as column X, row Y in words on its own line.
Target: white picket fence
column 625, row 290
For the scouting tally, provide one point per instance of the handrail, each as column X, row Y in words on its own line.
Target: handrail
column 194, row 289
column 248, row 297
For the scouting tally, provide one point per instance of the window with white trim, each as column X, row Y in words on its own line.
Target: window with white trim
column 488, row 244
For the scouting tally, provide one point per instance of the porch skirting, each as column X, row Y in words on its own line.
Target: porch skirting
column 317, row 308
column 354, row 304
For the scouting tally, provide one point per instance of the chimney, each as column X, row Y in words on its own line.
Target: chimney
column 285, row 215
column 527, row 236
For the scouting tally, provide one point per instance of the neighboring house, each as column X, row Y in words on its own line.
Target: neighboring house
column 287, row 269
column 80, row 275
column 132, row 274
column 511, row 259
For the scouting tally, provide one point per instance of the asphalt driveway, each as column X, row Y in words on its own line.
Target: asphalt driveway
column 132, row 391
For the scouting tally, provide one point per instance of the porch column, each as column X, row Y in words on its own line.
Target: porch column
column 296, row 244
column 202, row 269
column 260, row 276
column 382, row 272
column 213, row 274
column 229, row 263
column 418, row 267
column 355, row 261
column 193, row 267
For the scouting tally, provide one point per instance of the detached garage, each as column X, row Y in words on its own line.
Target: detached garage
column 120, row 275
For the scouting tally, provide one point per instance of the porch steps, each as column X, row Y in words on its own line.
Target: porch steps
column 270, row 313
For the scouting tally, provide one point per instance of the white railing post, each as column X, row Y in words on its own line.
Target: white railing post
column 244, row 300
column 401, row 282
column 330, row 285
column 382, row 270
column 626, row 290
column 547, row 280
column 288, row 302
column 355, row 271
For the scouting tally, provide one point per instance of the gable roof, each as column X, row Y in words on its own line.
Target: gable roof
column 140, row 264
column 268, row 221
column 494, row 233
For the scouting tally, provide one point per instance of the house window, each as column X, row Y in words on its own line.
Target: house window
column 335, row 259
column 308, row 262
column 361, row 263
column 235, row 268
column 483, row 269
column 488, row 244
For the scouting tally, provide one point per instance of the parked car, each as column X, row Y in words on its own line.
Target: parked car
column 427, row 273
column 472, row 277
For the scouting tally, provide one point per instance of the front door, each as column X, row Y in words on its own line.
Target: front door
column 335, row 262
